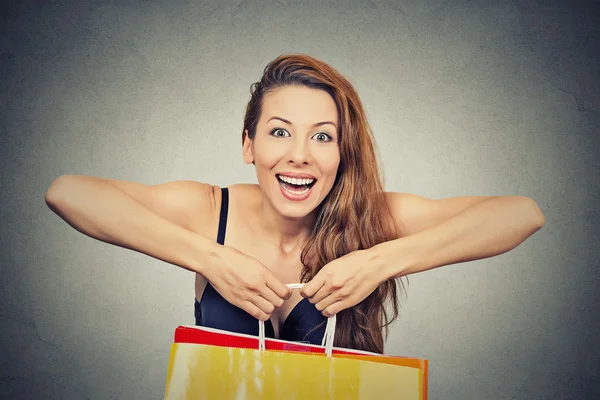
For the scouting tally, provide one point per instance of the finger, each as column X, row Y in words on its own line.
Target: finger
column 335, row 308
column 313, row 286
column 270, row 296
column 281, row 290
column 321, row 294
column 327, row 301
column 265, row 306
column 253, row 310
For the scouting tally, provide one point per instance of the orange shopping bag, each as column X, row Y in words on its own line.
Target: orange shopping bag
column 209, row 363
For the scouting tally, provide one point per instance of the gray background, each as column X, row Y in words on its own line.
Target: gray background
column 465, row 98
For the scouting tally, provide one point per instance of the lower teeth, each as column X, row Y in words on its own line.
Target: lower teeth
column 296, row 192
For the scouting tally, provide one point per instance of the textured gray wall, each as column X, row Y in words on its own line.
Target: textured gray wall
column 480, row 97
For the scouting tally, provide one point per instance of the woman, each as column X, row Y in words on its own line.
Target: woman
column 318, row 215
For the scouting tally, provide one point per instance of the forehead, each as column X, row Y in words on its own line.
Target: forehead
column 300, row 105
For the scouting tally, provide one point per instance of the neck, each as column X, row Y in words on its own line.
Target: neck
column 288, row 234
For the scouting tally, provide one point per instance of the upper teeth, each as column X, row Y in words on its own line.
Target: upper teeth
column 295, row 181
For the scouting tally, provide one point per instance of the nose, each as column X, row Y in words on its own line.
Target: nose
column 299, row 152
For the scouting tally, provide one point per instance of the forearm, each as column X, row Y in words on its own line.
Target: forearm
column 101, row 211
column 486, row 229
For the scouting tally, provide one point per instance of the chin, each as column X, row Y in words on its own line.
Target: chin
column 292, row 212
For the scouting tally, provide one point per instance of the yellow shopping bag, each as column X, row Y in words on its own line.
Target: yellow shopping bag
column 209, row 363
column 214, row 372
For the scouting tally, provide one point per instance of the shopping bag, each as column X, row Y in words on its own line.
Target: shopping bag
column 209, row 363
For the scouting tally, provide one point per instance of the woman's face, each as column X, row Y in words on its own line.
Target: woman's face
column 295, row 149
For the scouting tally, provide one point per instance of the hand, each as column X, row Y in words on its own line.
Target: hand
column 343, row 282
column 246, row 283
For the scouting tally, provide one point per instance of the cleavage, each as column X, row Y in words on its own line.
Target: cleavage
column 281, row 314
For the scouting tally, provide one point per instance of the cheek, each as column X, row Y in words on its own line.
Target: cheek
column 330, row 163
column 266, row 156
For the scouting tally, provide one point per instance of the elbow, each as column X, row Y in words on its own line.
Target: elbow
column 535, row 214
column 56, row 191
column 541, row 220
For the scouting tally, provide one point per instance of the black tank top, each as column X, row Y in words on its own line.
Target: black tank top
column 304, row 323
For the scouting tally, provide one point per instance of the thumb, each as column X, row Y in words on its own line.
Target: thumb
column 313, row 286
column 279, row 288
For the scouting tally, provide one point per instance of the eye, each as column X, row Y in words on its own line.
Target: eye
column 279, row 132
column 322, row 137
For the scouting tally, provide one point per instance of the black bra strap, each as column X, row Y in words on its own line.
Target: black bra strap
column 223, row 215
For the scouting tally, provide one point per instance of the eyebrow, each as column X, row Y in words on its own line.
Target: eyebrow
column 289, row 123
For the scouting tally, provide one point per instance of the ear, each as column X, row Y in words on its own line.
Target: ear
column 247, row 151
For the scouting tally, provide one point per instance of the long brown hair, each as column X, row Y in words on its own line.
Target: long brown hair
column 354, row 215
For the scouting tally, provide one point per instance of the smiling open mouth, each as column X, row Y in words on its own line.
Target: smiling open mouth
column 295, row 186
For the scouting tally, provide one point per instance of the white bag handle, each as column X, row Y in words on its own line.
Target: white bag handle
column 327, row 337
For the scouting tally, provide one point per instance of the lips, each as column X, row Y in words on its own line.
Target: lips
column 296, row 187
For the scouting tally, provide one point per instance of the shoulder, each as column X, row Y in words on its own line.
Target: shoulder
column 186, row 194
column 244, row 196
column 199, row 204
column 408, row 210
column 245, row 191
column 192, row 204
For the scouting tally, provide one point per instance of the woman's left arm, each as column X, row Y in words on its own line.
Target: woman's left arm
column 432, row 233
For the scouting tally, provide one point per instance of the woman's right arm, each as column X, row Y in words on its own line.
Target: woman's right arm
column 161, row 221
column 171, row 222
